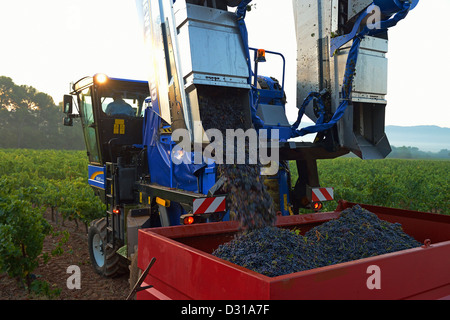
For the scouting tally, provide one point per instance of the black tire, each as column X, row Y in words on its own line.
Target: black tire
column 104, row 259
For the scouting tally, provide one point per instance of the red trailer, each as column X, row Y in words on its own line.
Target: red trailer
column 184, row 267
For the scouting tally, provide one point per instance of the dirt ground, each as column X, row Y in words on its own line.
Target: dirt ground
column 93, row 286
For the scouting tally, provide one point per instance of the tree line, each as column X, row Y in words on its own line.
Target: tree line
column 31, row 119
column 415, row 153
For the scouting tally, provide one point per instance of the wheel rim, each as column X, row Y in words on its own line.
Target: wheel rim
column 97, row 249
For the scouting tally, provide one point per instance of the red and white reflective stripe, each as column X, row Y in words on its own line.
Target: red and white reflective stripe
column 209, row 205
column 322, row 194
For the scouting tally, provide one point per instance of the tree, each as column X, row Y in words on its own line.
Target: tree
column 30, row 119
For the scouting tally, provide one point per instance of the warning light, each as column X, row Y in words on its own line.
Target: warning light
column 317, row 206
column 116, row 211
column 101, row 78
column 261, row 55
column 188, row 220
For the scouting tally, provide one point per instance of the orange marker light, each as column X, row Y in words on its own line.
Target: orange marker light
column 261, row 55
column 317, row 205
column 188, row 220
column 162, row 202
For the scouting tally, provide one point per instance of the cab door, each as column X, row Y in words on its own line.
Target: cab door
column 90, row 128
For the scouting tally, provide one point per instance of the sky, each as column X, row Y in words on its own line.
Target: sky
column 48, row 44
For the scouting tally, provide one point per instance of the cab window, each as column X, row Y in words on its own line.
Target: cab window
column 119, row 103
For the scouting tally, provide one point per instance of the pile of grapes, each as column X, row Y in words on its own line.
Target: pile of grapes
column 356, row 234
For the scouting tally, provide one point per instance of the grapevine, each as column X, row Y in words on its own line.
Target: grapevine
column 31, row 182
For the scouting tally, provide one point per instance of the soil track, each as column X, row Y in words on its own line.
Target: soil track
column 93, row 286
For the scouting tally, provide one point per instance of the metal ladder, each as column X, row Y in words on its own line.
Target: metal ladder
column 110, row 202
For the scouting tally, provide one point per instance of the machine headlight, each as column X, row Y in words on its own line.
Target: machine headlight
column 101, row 78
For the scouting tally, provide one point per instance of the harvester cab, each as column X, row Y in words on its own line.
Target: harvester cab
column 107, row 131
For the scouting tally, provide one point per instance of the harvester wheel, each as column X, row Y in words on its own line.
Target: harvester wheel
column 104, row 259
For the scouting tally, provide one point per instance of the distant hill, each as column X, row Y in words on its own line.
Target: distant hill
column 426, row 138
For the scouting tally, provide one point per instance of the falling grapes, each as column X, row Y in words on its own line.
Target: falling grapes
column 248, row 199
column 247, row 195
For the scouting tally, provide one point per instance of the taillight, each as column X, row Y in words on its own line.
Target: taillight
column 317, row 206
column 188, row 220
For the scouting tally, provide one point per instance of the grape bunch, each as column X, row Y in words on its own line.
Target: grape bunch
column 356, row 234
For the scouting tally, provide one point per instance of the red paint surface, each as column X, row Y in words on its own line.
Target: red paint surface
column 185, row 268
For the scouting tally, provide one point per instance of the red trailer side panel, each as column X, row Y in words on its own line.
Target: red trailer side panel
column 402, row 275
column 185, row 268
